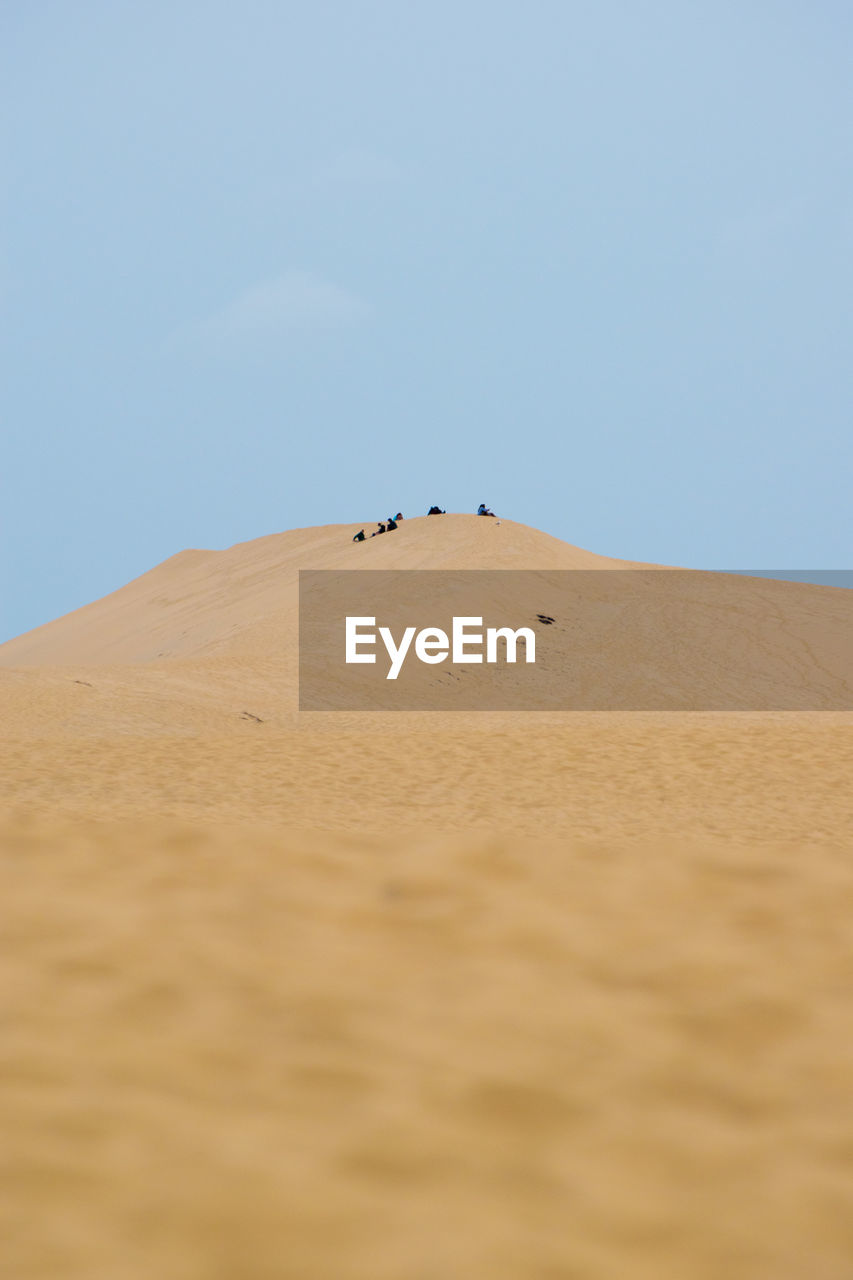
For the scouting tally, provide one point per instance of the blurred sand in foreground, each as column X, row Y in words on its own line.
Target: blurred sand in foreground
column 408, row 997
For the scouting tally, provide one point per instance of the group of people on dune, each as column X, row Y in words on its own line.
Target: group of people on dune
column 391, row 523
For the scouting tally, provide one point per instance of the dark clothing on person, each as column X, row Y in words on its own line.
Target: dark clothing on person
column 359, row 537
column 436, row 511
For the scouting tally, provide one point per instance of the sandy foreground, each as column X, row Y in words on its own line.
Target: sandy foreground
column 415, row 996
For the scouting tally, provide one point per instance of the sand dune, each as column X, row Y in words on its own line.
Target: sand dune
column 212, row 621
column 418, row 996
column 244, row 599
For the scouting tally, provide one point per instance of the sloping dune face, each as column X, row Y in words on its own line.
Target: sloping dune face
column 409, row 996
column 244, row 599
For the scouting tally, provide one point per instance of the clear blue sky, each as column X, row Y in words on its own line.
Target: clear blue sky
column 272, row 264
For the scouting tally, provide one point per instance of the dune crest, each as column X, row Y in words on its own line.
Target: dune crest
column 201, row 602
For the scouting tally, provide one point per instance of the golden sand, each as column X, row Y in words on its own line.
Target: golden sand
column 408, row 997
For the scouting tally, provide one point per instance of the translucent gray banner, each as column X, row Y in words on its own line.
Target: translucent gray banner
column 573, row 640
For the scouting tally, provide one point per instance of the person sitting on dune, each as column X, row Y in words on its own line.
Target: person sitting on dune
column 392, row 524
column 359, row 537
column 436, row 511
column 381, row 529
column 483, row 510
